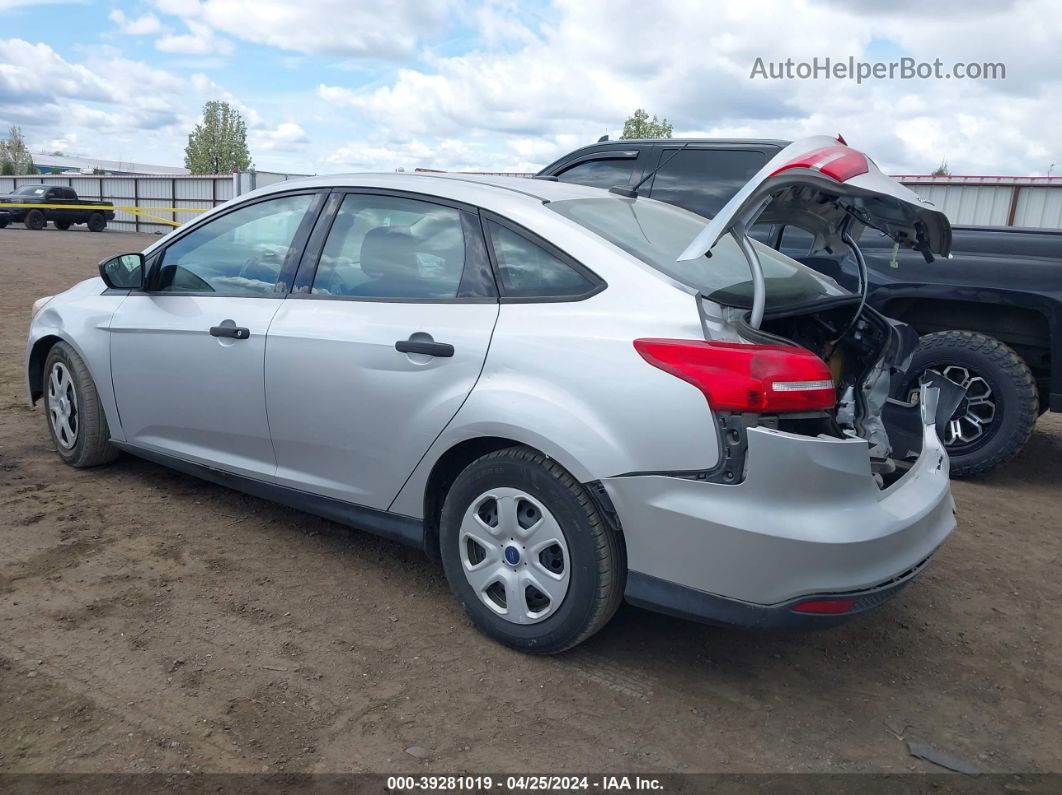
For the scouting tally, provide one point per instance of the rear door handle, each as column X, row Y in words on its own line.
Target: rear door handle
column 430, row 348
column 234, row 332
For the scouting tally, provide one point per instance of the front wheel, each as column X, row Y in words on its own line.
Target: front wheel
column 35, row 220
column 75, row 417
column 994, row 419
column 97, row 223
column 528, row 554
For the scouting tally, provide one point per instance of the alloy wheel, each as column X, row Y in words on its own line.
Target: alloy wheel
column 971, row 421
column 514, row 555
column 63, row 405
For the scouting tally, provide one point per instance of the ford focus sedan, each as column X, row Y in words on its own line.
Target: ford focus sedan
column 570, row 395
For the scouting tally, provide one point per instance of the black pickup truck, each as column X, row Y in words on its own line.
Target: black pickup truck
column 990, row 316
column 95, row 214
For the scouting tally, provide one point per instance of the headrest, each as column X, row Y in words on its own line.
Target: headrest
column 388, row 250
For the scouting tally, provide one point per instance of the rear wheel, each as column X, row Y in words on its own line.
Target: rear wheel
column 75, row 417
column 3, row 222
column 62, row 226
column 97, row 223
column 994, row 420
column 527, row 553
column 35, row 220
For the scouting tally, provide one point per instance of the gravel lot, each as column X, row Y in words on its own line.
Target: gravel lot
column 149, row 621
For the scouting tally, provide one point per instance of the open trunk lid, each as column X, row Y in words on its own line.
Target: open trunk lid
column 820, row 184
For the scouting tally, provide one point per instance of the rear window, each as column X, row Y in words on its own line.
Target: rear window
column 658, row 233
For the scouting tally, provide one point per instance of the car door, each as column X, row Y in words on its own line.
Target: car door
column 188, row 352
column 379, row 344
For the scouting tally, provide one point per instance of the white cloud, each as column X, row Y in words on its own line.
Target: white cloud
column 199, row 40
column 10, row 5
column 287, row 136
column 145, row 25
column 690, row 61
column 507, row 85
column 336, row 27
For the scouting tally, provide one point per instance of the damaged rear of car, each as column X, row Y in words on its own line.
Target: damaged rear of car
column 831, row 491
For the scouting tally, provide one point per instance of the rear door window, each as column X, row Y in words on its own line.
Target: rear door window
column 703, row 180
column 600, row 172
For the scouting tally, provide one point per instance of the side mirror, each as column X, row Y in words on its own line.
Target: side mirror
column 124, row 272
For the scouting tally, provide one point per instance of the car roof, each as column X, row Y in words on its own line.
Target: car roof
column 476, row 189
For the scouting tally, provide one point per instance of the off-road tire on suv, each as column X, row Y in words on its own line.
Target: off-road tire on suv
column 91, row 446
column 35, row 220
column 97, row 223
column 1013, row 395
column 596, row 558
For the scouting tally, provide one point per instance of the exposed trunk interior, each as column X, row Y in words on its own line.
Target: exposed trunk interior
column 863, row 354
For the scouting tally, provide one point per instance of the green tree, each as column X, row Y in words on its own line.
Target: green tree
column 218, row 144
column 639, row 125
column 15, row 157
column 942, row 170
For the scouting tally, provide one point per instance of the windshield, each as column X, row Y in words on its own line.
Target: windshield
column 656, row 233
column 31, row 190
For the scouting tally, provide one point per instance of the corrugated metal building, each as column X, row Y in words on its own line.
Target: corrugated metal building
column 993, row 201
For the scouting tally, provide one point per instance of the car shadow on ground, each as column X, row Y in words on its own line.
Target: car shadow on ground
column 1036, row 465
column 636, row 641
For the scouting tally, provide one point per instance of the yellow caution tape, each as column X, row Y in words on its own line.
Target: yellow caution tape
column 141, row 212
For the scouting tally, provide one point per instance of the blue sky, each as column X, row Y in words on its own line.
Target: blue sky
column 330, row 85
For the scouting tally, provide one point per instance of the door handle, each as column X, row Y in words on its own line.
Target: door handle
column 234, row 332
column 429, row 348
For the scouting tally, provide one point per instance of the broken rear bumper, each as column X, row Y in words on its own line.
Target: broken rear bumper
column 807, row 523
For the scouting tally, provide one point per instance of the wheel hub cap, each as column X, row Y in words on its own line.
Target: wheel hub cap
column 514, row 554
column 62, row 406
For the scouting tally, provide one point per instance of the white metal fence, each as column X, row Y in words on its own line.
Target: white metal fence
column 158, row 199
column 990, row 201
column 993, row 201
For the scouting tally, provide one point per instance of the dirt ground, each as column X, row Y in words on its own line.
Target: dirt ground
column 149, row 621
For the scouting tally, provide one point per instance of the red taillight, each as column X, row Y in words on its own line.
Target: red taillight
column 839, row 163
column 746, row 378
column 821, row 607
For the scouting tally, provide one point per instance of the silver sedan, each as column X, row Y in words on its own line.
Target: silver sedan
column 568, row 395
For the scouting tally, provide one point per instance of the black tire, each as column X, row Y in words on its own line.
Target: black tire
column 35, row 220
column 62, row 226
column 97, row 223
column 91, row 444
column 1013, row 395
column 596, row 560
column 3, row 223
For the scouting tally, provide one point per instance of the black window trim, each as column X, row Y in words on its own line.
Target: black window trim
column 287, row 269
column 597, row 283
column 311, row 259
